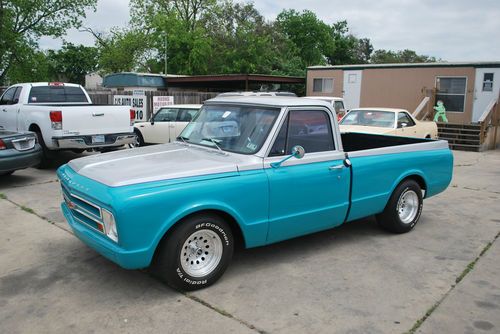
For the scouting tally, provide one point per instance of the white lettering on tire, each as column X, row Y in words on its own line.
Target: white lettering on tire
column 215, row 227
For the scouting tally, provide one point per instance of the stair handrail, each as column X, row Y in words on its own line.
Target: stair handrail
column 490, row 115
column 421, row 107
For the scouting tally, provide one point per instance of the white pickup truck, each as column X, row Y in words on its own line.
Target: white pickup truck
column 63, row 117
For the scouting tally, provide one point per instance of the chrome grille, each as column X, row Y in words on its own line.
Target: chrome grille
column 83, row 210
column 23, row 144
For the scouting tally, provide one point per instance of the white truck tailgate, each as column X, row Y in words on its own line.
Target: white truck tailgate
column 91, row 120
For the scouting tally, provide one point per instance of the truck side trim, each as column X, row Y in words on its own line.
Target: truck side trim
column 419, row 147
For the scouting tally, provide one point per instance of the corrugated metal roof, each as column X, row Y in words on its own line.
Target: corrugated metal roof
column 129, row 79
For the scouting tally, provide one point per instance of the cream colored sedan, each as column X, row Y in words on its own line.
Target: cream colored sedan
column 397, row 122
column 165, row 125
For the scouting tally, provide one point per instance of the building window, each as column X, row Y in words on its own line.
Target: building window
column 352, row 78
column 323, row 85
column 451, row 90
column 488, row 82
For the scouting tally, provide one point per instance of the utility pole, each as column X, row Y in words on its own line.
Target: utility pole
column 166, row 45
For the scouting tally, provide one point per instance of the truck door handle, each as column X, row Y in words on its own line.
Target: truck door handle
column 4, row 110
column 336, row 167
column 95, row 114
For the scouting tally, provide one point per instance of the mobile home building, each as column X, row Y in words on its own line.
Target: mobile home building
column 465, row 88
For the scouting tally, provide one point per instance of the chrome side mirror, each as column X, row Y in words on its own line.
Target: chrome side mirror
column 297, row 152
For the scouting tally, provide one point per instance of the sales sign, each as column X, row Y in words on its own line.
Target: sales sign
column 161, row 101
column 138, row 103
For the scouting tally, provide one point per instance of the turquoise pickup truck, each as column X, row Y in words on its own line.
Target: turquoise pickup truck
column 246, row 171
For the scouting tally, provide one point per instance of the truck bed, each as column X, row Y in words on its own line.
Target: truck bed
column 355, row 141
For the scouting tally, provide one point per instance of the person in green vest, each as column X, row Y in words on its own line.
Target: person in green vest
column 440, row 112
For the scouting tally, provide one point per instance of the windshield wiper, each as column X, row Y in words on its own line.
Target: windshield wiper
column 210, row 139
column 183, row 139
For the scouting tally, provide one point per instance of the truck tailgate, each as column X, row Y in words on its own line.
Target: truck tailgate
column 90, row 120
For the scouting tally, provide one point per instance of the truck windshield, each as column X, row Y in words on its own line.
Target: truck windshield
column 57, row 94
column 377, row 118
column 238, row 129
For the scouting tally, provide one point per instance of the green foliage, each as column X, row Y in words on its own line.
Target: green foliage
column 348, row 49
column 188, row 50
column 311, row 36
column 242, row 41
column 200, row 37
column 23, row 22
column 123, row 50
column 31, row 65
column 72, row 62
column 404, row 56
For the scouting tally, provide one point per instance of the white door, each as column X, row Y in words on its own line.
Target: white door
column 9, row 106
column 352, row 89
column 486, row 89
column 164, row 124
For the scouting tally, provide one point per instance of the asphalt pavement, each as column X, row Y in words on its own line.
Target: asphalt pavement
column 443, row 277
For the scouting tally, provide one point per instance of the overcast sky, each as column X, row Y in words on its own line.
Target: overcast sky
column 454, row 30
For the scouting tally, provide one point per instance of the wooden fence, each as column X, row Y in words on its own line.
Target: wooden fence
column 180, row 97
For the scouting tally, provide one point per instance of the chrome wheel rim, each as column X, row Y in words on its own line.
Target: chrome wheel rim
column 135, row 143
column 201, row 253
column 407, row 206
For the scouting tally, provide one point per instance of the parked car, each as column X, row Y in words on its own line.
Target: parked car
column 165, row 125
column 397, row 122
column 245, row 171
column 63, row 117
column 18, row 150
column 336, row 102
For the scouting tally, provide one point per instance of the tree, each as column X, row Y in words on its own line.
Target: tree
column 123, row 50
column 242, row 42
column 311, row 36
column 178, row 21
column 189, row 12
column 348, row 49
column 23, row 22
column 72, row 62
column 31, row 65
column 404, row 56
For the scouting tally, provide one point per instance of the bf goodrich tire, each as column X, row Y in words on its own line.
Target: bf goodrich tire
column 196, row 253
column 404, row 208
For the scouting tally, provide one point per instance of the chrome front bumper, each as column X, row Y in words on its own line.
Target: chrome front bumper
column 85, row 142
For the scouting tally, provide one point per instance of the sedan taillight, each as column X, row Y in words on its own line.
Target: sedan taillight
column 2, row 145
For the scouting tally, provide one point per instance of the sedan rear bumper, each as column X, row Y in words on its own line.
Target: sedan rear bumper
column 12, row 159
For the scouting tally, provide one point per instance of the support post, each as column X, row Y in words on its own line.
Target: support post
column 166, row 50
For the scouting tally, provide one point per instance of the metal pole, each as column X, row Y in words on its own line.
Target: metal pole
column 166, row 45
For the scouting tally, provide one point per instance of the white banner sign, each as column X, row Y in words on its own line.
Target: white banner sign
column 135, row 102
column 161, row 101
